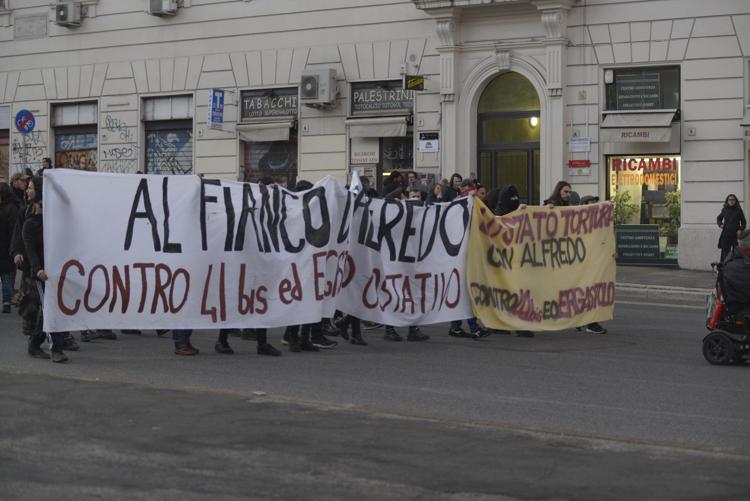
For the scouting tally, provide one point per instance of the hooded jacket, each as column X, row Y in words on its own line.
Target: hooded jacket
column 506, row 204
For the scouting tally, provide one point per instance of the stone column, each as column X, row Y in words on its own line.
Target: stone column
column 555, row 22
column 450, row 51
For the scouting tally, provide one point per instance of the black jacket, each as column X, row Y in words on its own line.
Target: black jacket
column 736, row 281
column 8, row 217
column 16, row 243
column 506, row 205
column 733, row 219
column 33, row 241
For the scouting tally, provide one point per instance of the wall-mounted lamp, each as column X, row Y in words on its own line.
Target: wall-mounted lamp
column 534, row 121
column 609, row 76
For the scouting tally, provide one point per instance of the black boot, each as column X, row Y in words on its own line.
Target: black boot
column 35, row 345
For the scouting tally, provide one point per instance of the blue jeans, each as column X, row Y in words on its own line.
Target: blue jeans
column 181, row 337
column 473, row 325
column 7, row 279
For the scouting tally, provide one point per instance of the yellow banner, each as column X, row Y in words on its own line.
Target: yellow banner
column 542, row 268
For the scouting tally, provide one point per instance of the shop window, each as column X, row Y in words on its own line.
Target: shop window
column 268, row 131
column 75, row 135
column 646, row 197
column 275, row 159
column 168, row 123
column 643, row 88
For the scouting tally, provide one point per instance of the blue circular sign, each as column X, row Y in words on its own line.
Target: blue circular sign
column 25, row 121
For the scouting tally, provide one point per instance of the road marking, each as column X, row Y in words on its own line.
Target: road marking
column 669, row 305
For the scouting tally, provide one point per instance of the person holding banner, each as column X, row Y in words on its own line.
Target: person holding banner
column 33, row 240
column 593, row 327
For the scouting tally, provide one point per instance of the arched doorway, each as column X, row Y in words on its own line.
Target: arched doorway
column 508, row 128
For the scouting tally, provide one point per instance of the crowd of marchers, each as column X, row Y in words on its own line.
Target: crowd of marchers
column 22, row 250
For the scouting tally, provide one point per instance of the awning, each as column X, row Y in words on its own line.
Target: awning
column 637, row 127
column 263, row 132
column 377, row 127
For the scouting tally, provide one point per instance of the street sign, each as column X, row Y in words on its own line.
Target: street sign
column 216, row 108
column 25, row 121
column 413, row 82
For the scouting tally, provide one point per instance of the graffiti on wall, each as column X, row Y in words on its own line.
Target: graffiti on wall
column 28, row 150
column 121, row 157
column 169, row 152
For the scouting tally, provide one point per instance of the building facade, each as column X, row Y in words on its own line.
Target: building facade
column 644, row 103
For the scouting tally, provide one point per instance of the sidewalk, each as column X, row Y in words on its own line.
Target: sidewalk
column 664, row 283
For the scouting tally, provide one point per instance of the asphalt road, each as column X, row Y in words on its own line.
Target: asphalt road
column 636, row 413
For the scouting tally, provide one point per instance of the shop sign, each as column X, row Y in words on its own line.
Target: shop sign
column 381, row 98
column 579, row 167
column 216, row 108
column 365, row 150
column 635, row 135
column 662, row 170
column 268, row 103
column 639, row 91
column 579, row 145
column 636, row 242
column 429, row 142
column 413, row 82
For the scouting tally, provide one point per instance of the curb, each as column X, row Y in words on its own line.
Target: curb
column 663, row 291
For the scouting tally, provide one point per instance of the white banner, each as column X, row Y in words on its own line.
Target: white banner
column 168, row 252
column 409, row 261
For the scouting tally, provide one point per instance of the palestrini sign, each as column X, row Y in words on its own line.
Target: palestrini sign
column 658, row 170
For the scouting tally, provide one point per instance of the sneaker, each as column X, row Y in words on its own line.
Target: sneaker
column 368, row 326
column 458, row 332
column 480, row 332
column 187, row 351
column 267, row 349
column 88, row 336
column 324, row 343
column 223, row 348
column 306, row 345
column 107, row 334
column 523, row 334
column 6, row 308
column 59, row 357
column 358, row 341
column 193, row 348
column 392, row 335
column 333, row 327
column 595, row 328
column 416, row 334
column 37, row 352
column 69, row 343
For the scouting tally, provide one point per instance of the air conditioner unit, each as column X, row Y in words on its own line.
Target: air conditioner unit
column 68, row 14
column 318, row 86
column 162, row 7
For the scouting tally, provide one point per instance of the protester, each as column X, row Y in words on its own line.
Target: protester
column 454, row 188
column 8, row 218
column 560, row 195
column 28, row 300
column 182, row 344
column 393, row 183
column 19, row 183
column 33, row 239
column 481, row 192
column 414, row 184
column 344, row 322
column 736, row 275
column 593, row 327
column 436, row 194
column 730, row 220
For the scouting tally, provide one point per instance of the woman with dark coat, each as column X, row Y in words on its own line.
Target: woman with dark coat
column 730, row 220
column 8, row 217
column 33, row 240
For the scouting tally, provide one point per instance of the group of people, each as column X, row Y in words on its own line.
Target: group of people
column 22, row 249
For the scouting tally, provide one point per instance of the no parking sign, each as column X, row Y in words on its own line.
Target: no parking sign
column 25, row 121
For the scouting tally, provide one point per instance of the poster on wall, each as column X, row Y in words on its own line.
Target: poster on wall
column 275, row 159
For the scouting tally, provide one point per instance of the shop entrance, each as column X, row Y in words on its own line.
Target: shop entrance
column 508, row 136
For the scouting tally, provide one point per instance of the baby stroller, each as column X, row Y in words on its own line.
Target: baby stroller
column 728, row 341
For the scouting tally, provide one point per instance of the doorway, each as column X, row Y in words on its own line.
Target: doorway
column 508, row 136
